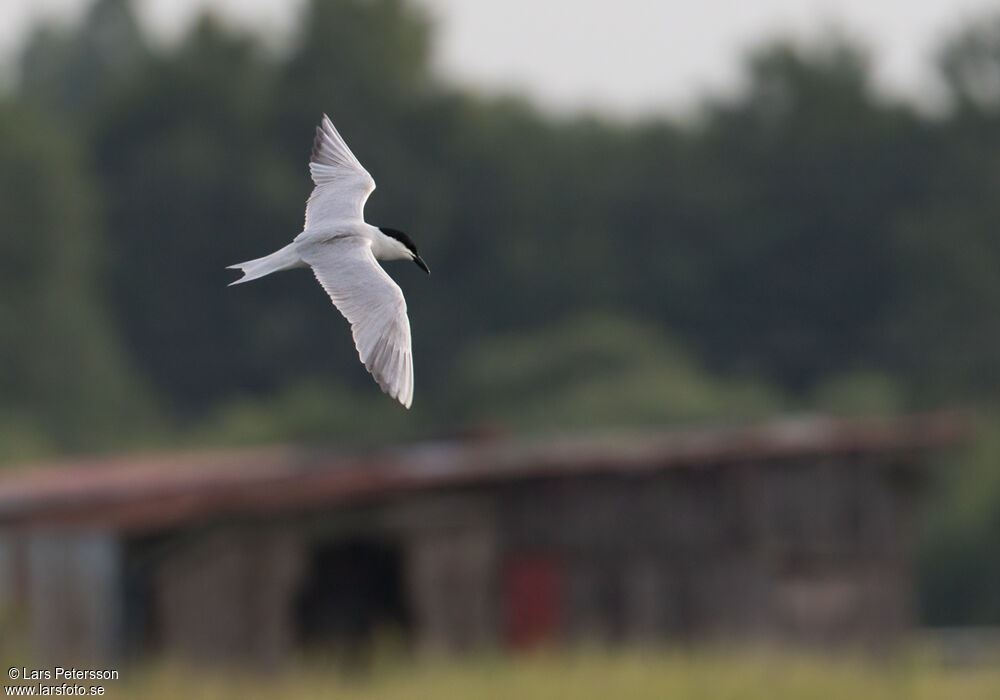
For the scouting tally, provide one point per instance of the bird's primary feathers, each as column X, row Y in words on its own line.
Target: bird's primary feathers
column 342, row 249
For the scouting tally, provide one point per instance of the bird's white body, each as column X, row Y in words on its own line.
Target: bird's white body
column 342, row 250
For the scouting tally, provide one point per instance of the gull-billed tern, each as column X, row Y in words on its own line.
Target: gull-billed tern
column 342, row 251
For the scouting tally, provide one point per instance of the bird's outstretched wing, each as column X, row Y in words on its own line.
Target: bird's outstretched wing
column 342, row 183
column 374, row 306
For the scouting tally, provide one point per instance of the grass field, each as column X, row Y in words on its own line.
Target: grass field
column 586, row 676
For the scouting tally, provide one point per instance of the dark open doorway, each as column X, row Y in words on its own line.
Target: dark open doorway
column 352, row 591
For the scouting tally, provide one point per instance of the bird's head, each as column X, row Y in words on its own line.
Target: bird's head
column 405, row 247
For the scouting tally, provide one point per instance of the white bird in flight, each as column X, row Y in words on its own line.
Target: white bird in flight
column 342, row 250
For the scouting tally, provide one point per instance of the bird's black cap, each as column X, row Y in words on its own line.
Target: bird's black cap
column 408, row 242
column 399, row 236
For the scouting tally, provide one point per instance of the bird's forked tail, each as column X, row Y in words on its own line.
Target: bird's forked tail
column 284, row 259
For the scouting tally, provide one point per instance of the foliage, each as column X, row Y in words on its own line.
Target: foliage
column 961, row 546
column 71, row 72
column 858, row 394
column 794, row 233
column 66, row 383
column 601, row 370
column 304, row 412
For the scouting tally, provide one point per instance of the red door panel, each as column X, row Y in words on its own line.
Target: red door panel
column 532, row 600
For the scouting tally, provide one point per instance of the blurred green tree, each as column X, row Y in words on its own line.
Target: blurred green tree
column 599, row 370
column 803, row 282
column 66, row 380
column 193, row 184
column 70, row 72
column 944, row 331
column 968, row 62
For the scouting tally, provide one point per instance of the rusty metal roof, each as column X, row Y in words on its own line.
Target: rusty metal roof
column 141, row 493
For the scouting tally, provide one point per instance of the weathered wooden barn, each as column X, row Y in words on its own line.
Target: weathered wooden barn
column 797, row 531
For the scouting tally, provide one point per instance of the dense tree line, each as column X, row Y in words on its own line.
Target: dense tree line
column 808, row 243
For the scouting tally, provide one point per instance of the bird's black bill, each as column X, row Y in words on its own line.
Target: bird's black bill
column 421, row 264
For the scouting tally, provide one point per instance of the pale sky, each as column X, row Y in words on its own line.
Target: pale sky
column 623, row 56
